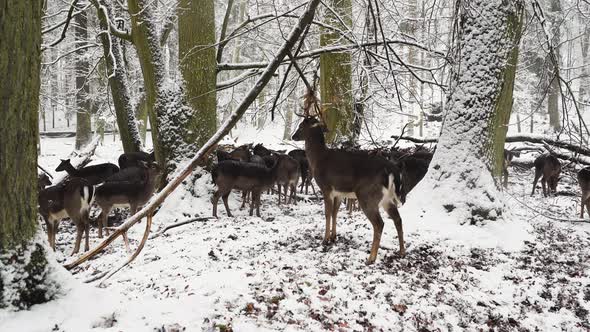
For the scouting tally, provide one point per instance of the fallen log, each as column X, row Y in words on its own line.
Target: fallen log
column 536, row 139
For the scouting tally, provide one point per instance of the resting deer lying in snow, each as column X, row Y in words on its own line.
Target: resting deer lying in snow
column 374, row 181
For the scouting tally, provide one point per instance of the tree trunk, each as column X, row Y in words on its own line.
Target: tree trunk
column 585, row 77
column 83, row 117
column 113, row 53
column 336, row 76
column 553, row 91
column 24, row 269
column 146, row 40
column 464, row 175
column 198, row 66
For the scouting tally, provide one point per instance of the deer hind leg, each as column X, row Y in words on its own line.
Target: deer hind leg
column 335, row 208
column 79, row 233
column 86, row 222
column 587, row 207
column 224, row 198
column 371, row 210
column 544, row 184
column 214, row 200
column 103, row 219
column 256, row 198
column 537, row 176
column 393, row 213
column 244, row 199
column 328, row 203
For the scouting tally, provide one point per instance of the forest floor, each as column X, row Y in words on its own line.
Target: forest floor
column 273, row 273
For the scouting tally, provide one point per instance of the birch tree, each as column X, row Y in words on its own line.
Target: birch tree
column 464, row 175
column 25, row 275
column 553, row 91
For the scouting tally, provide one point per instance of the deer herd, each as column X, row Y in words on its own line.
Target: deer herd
column 373, row 179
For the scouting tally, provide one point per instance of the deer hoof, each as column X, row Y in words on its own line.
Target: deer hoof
column 370, row 261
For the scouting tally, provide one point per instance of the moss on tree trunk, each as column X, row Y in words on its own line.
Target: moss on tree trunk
column 336, row 76
column 501, row 117
column 198, row 66
column 23, row 265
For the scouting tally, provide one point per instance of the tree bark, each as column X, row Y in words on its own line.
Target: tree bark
column 83, row 116
column 24, row 269
column 468, row 157
column 198, row 66
column 118, row 83
column 336, row 76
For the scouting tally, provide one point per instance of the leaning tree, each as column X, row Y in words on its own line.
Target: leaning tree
column 25, row 274
column 464, row 175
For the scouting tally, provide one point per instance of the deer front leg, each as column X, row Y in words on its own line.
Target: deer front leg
column 328, row 203
column 544, row 184
column 335, row 208
column 393, row 213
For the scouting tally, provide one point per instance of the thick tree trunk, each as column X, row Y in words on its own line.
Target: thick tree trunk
column 146, row 40
column 464, row 175
column 198, row 66
column 83, row 116
column 24, row 269
column 336, row 76
column 113, row 53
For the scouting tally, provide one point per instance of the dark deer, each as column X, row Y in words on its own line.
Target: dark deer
column 42, row 181
column 288, row 176
column 372, row 180
column 584, row 181
column 414, row 169
column 508, row 156
column 71, row 198
column 306, row 177
column 229, row 174
column 132, row 187
column 133, row 158
column 94, row 174
column 549, row 168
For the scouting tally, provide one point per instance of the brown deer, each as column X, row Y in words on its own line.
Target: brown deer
column 549, row 168
column 230, row 174
column 287, row 177
column 584, row 181
column 71, row 198
column 374, row 181
column 94, row 174
column 132, row 187
column 133, row 158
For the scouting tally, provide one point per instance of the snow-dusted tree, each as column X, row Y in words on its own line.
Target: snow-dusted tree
column 464, row 175
column 83, row 116
column 336, row 73
column 198, row 66
column 117, row 76
column 553, row 90
column 25, row 275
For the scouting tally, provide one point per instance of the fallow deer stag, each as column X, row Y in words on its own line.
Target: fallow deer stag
column 374, row 181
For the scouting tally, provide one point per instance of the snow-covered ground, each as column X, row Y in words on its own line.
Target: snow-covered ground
column 528, row 272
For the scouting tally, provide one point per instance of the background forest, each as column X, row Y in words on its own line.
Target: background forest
column 463, row 79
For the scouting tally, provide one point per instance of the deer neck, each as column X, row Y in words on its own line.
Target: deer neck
column 71, row 170
column 315, row 145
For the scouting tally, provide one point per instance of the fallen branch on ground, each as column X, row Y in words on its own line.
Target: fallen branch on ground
column 178, row 224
